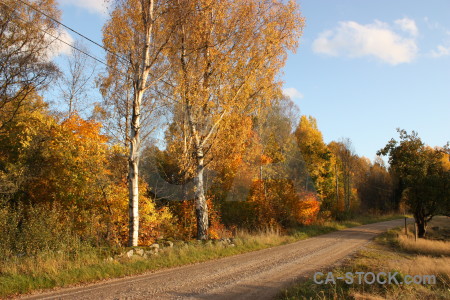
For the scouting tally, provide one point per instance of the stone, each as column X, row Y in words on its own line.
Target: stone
column 130, row 253
column 139, row 252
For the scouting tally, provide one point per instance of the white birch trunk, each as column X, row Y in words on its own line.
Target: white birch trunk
column 201, row 207
column 139, row 84
column 133, row 173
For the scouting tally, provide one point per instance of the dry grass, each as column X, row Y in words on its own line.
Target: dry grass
column 48, row 263
column 267, row 236
column 424, row 246
column 436, row 242
column 420, row 265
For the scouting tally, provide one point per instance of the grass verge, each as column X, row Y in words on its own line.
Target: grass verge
column 58, row 269
column 393, row 252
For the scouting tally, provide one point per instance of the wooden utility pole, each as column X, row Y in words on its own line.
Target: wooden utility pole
column 337, row 185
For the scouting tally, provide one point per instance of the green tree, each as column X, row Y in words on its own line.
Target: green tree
column 423, row 177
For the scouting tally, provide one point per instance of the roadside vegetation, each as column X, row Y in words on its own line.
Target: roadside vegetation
column 81, row 263
column 392, row 252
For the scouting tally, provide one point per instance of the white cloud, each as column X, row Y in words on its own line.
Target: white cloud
column 440, row 51
column 59, row 45
column 408, row 25
column 92, row 6
column 292, row 93
column 378, row 40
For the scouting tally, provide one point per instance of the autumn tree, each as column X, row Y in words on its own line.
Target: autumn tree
column 346, row 157
column 16, row 139
column 25, row 46
column 225, row 56
column 423, row 177
column 260, row 184
column 320, row 162
column 136, row 35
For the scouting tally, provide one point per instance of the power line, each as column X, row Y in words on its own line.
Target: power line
column 77, row 49
column 73, row 30
column 83, row 36
column 59, row 39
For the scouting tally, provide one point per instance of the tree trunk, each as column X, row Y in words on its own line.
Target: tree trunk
column 133, row 175
column 421, row 222
column 337, row 185
column 421, row 228
column 201, row 207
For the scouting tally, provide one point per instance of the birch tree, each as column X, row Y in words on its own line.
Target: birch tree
column 75, row 84
column 225, row 57
column 136, row 35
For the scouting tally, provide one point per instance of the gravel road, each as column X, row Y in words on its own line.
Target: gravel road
column 256, row 275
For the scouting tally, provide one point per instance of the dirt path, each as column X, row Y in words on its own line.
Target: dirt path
column 255, row 275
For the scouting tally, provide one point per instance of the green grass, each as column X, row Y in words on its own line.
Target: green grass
column 391, row 252
column 53, row 269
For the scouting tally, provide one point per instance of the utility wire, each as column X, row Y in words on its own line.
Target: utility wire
column 58, row 38
column 123, row 59
column 74, row 31
column 83, row 36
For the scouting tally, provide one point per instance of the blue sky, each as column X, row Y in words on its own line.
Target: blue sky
column 363, row 67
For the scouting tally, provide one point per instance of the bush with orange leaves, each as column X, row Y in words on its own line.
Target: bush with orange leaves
column 187, row 222
column 307, row 208
column 275, row 203
column 216, row 228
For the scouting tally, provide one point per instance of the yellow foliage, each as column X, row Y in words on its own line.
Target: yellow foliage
column 115, row 216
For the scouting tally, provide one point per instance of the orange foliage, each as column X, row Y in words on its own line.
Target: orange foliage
column 187, row 226
column 265, row 160
column 77, row 170
column 216, row 229
column 71, row 159
column 187, row 223
column 307, row 209
column 263, row 207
